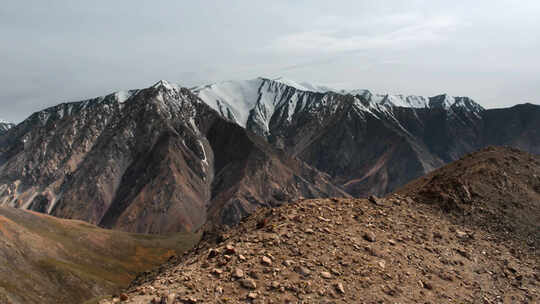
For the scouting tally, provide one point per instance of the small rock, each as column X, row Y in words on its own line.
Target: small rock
column 288, row 263
column 392, row 242
column 302, row 270
column 249, row 284
column 124, row 297
column 461, row 234
column 426, row 285
column 275, row 284
column 373, row 251
column 229, row 249
column 171, row 298
column 382, row 264
column 326, row 275
column 241, row 257
column 266, row 261
column 238, row 273
column 254, row 274
column 339, row 287
column 212, row 253
column 252, row 295
column 437, row 235
column 370, row 236
column 309, row 231
column 188, row 300
column 374, row 200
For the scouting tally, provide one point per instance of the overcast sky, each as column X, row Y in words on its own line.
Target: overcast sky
column 57, row 51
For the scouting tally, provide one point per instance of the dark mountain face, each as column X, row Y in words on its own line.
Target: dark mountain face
column 155, row 162
column 374, row 155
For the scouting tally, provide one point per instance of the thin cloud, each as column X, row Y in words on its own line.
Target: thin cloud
column 431, row 30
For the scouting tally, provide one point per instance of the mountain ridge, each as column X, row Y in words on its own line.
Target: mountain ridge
column 154, row 160
column 121, row 154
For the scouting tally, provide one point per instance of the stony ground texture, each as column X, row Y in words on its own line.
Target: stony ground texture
column 348, row 251
column 466, row 233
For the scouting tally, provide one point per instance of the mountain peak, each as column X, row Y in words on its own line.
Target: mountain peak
column 165, row 84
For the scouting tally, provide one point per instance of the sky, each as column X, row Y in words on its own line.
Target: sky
column 63, row 50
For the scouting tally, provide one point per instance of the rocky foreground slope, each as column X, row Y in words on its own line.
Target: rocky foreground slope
column 423, row 244
column 44, row 259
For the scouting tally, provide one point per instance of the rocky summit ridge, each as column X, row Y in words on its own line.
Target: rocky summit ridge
column 408, row 247
column 156, row 160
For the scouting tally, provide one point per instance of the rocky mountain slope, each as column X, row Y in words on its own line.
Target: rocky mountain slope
column 423, row 244
column 49, row 260
column 5, row 126
column 370, row 143
column 496, row 189
column 156, row 160
column 166, row 158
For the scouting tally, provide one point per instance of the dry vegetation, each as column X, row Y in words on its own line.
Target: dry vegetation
column 50, row 260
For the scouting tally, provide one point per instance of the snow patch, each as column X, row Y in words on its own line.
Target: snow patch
column 236, row 97
column 167, row 85
column 304, row 86
column 122, row 96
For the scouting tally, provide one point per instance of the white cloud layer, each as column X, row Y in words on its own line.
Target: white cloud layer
column 416, row 33
column 61, row 50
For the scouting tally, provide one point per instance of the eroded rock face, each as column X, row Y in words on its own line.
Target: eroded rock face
column 154, row 161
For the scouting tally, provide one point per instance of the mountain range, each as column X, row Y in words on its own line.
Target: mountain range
column 167, row 158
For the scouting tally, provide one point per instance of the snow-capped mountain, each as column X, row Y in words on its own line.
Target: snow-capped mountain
column 155, row 160
column 167, row 158
column 5, row 126
column 254, row 103
column 368, row 142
